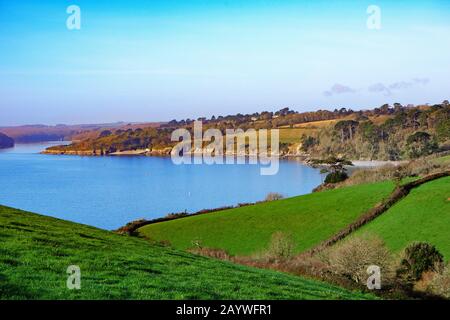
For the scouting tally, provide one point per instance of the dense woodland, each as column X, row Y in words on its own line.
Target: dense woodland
column 407, row 133
column 385, row 133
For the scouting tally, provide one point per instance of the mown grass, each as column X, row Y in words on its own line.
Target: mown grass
column 317, row 124
column 424, row 215
column 247, row 230
column 294, row 135
column 36, row 250
column 289, row 135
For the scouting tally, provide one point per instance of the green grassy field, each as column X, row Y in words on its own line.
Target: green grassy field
column 35, row 252
column 247, row 230
column 424, row 215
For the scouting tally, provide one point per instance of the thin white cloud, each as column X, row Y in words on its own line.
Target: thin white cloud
column 400, row 85
column 422, row 81
column 379, row 87
column 338, row 89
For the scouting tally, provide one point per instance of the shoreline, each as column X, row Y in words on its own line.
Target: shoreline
column 302, row 158
column 377, row 163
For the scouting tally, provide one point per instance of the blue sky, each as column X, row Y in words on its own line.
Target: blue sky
column 160, row 60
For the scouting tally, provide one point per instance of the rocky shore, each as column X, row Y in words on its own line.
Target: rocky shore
column 291, row 154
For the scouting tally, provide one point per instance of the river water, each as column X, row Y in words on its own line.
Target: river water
column 108, row 192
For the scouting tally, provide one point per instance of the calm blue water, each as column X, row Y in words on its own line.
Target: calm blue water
column 108, row 192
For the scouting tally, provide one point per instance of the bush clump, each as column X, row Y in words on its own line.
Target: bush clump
column 419, row 257
column 211, row 253
column 440, row 284
column 281, row 247
column 335, row 177
column 352, row 258
column 273, row 196
column 421, row 144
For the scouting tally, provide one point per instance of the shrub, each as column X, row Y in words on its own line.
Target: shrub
column 164, row 243
column 197, row 244
column 211, row 253
column 399, row 174
column 172, row 216
column 273, row 196
column 131, row 227
column 440, row 284
column 418, row 167
column 281, row 246
column 311, row 265
column 418, row 258
column 443, row 129
column 421, row 144
column 105, row 133
column 308, row 142
column 335, row 177
column 352, row 258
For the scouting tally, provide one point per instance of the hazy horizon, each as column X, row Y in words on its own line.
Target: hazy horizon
column 178, row 119
column 163, row 60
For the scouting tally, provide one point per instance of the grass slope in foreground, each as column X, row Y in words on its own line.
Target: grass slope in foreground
column 424, row 215
column 310, row 219
column 35, row 252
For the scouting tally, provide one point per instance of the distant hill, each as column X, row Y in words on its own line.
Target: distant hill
column 5, row 141
column 397, row 133
column 42, row 133
column 36, row 251
column 386, row 133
